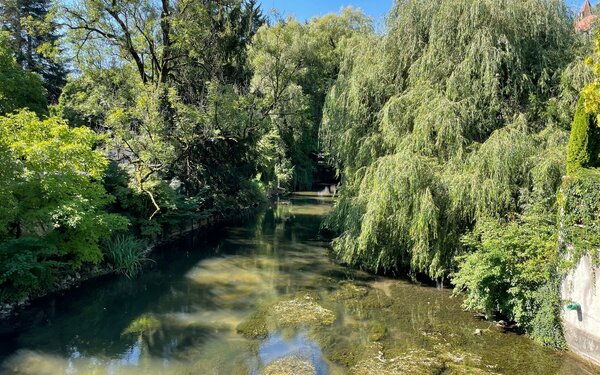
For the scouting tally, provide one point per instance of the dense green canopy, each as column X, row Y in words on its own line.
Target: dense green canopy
column 443, row 121
column 448, row 131
column 53, row 200
column 18, row 88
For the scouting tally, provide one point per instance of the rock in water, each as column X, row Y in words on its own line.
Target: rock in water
column 301, row 312
column 293, row 365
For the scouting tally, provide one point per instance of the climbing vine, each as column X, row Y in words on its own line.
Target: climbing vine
column 580, row 215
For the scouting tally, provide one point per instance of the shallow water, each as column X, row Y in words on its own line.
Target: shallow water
column 265, row 298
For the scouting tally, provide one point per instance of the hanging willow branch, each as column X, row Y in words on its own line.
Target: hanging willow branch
column 436, row 124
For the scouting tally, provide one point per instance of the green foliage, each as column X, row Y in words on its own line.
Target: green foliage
column 53, row 213
column 52, row 186
column 546, row 327
column 512, row 268
column 216, row 37
column 580, row 215
column 18, row 88
column 33, row 33
column 178, row 119
column 579, row 196
column 515, row 267
column 294, row 66
column 449, row 132
column 125, row 253
column 27, row 267
column 442, row 122
column 584, row 144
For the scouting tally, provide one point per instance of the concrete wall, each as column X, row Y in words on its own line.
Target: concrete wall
column 582, row 327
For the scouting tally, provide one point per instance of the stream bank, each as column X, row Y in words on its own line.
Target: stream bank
column 263, row 298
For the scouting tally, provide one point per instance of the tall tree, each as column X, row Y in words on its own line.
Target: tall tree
column 442, row 122
column 174, row 83
column 294, row 66
column 18, row 88
column 34, row 35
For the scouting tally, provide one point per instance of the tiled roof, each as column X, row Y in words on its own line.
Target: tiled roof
column 585, row 18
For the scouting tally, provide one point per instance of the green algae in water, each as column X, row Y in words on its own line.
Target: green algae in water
column 255, row 327
column 144, row 324
column 301, row 312
column 211, row 307
column 377, row 331
column 348, row 291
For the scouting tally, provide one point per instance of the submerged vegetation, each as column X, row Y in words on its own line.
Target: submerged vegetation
column 450, row 132
column 267, row 299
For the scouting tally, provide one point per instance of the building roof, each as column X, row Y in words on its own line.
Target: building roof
column 585, row 18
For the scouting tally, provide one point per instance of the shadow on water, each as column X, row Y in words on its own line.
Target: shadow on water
column 262, row 298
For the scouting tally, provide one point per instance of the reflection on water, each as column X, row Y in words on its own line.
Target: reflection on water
column 265, row 298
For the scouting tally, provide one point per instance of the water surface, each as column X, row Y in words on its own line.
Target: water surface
column 263, row 298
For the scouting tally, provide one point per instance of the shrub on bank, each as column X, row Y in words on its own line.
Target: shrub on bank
column 125, row 254
column 512, row 270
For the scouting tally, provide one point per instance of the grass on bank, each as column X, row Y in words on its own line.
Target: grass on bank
column 126, row 254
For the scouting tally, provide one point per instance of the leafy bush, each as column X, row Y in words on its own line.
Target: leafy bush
column 26, row 267
column 125, row 253
column 52, row 182
column 52, row 216
column 18, row 88
column 512, row 270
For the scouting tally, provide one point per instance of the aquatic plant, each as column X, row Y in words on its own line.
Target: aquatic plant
column 254, row 327
column 377, row 331
column 145, row 323
column 300, row 312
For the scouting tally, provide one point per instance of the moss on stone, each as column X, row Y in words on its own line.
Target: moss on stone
column 377, row 331
column 143, row 324
column 293, row 365
column 255, row 327
column 301, row 312
column 348, row 291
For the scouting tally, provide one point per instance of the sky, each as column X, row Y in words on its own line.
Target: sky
column 577, row 4
column 305, row 9
column 377, row 9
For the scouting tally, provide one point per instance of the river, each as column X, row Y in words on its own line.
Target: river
column 263, row 298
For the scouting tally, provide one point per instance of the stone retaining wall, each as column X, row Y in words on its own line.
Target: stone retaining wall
column 582, row 326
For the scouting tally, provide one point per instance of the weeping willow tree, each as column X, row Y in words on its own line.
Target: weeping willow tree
column 456, row 115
